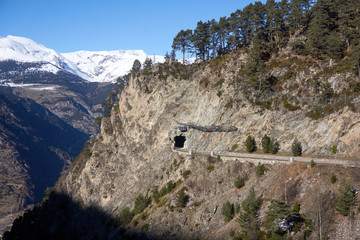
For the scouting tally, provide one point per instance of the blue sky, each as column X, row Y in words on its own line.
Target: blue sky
column 72, row 25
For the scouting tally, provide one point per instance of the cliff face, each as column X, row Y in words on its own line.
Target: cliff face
column 133, row 153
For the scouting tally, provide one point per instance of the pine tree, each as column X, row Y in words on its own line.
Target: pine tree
column 228, row 211
column 148, row 64
column 250, row 144
column 213, row 34
column 136, row 67
column 265, row 143
column 248, row 217
column 319, row 27
column 182, row 42
column 181, row 199
column 201, row 40
column 348, row 20
column 239, row 182
column 223, row 30
column 274, row 146
column 296, row 148
column 167, row 57
column 345, row 199
column 298, row 11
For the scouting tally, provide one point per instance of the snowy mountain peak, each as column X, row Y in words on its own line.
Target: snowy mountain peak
column 22, row 49
column 108, row 65
column 101, row 66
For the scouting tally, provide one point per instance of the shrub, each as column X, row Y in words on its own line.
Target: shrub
column 145, row 227
column 250, row 144
column 234, row 147
column 333, row 149
column 312, row 163
column 181, row 199
column 296, row 208
column 124, row 217
column 265, row 143
column 333, row 179
column 228, row 211
column 296, row 148
column 239, row 182
column 260, row 169
column 210, row 168
column 186, row 173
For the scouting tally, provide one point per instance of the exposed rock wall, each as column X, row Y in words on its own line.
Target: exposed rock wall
column 133, row 153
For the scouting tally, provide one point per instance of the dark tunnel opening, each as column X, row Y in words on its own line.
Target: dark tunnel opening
column 179, row 141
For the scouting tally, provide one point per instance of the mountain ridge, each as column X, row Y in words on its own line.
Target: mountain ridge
column 93, row 66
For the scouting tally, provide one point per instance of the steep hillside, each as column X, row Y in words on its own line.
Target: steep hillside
column 35, row 146
column 134, row 155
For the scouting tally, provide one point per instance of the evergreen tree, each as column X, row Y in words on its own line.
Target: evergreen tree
column 173, row 55
column 141, row 202
column 275, row 22
column 245, row 26
column 259, row 54
column 228, row 211
column 136, row 67
column 167, row 57
column 213, row 34
column 124, row 217
column 155, row 195
column 148, row 64
column 345, row 199
column 296, row 148
column 248, row 217
column 355, row 59
column 239, row 182
column 274, row 146
column 348, row 22
column 298, row 10
column 296, row 207
column 233, row 39
column 319, row 27
column 277, row 211
column 181, row 199
column 182, row 42
column 201, row 40
column 223, row 31
column 265, row 143
column 250, row 144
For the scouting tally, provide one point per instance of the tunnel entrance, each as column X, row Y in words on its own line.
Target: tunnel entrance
column 179, row 141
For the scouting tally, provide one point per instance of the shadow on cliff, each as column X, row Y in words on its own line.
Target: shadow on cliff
column 60, row 217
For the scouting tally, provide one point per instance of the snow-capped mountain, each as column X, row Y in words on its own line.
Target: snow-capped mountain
column 103, row 66
column 22, row 49
column 108, row 65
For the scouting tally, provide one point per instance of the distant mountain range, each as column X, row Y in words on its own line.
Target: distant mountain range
column 102, row 66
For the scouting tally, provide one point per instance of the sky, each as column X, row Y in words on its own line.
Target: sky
column 73, row 25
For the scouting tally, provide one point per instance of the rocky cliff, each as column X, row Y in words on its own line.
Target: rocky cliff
column 134, row 153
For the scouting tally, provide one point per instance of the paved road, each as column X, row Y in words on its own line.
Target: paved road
column 272, row 158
